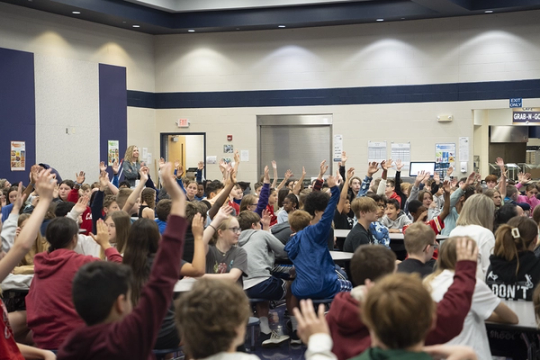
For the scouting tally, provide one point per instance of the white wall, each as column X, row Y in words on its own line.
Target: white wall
column 453, row 50
column 67, row 53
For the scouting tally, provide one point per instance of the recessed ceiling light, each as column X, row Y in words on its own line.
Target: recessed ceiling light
column 75, row 12
column 136, row 26
column 402, row 18
column 488, row 11
column 191, row 30
column 380, row 19
column 281, row 26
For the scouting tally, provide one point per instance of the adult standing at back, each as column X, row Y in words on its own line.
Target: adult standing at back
column 476, row 221
column 131, row 165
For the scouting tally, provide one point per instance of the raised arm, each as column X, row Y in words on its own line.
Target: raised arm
column 102, row 238
column 345, row 190
column 237, row 162
column 223, row 195
column 132, row 199
column 264, row 194
column 9, row 228
column 373, row 167
column 502, row 181
column 200, row 168
column 446, row 193
column 198, row 264
column 45, row 186
column 298, row 187
column 274, row 166
column 211, row 229
column 323, row 226
column 286, row 177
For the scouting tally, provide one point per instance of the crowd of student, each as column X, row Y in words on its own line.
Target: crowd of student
column 103, row 259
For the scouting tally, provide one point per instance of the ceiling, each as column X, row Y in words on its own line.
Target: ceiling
column 183, row 16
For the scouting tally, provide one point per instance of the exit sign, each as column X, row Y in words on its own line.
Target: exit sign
column 516, row 102
column 182, row 123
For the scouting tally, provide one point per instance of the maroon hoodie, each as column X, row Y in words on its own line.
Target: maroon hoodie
column 134, row 336
column 351, row 336
column 50, row 312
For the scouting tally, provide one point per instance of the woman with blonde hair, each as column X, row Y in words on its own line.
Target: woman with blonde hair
column 131, row 165
column 476, row 220
column 485, row 305
column 514, row 271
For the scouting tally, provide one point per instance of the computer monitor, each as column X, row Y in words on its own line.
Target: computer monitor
column 416, row 167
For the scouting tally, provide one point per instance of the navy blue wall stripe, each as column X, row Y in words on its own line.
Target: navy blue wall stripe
column 112, row 108
column 492, row 90
column 17, row 110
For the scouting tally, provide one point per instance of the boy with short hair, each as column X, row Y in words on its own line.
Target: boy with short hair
column 372, row 262
column 420, row 243
column 491, row 181
column 316, row 277
column 212, row 320
column 365, row 210
column 101, row 295
column 163, row 209
column 399, row 313
column 395, row 219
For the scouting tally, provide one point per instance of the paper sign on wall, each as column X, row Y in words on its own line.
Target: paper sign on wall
column 463, row 149
column 18, row 155
column 113, row 152
column 401, row 151
column 338, row 147
column 376, row 151
column 244, row 155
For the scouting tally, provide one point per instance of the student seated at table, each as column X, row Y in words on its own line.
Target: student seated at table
column 101, row 295
column 514, row 270
column 262, row 248
column 316, row 277
column 395, row 219
column 485, row 305
column 365, row 210
column 399, row 314
column 420, row 242
column 212, row 320
column 372, row 262
column 419, row 212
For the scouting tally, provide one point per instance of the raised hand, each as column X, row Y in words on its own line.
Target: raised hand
column 373, row 167
column 81, row 204
column 143, row 173
column 45, row 184
column 350, row 174
column 102, row 166
column 19, row 201
column 197, row 226
column 200, row 165
column 331, row 181
column 34, row 172
column 399, row 165
column 339, row 178
column 310, row 323
column 102, row 237
column 266, row 175
column 446, row 186
column 103, row 181
column 178, row 196
column 437, row 177
column 470, row 179
column 499, row 162
column 115, row 167
column 274, row 164
column 266, row 219
column 343, row 158
column 323, row 169
column 80, row 177
column 386, row 164
column 161, row 163
column 303, row 172
column 223, row 213
column 449, row 171
column 466, row 250
column 236, row 156
column 288, row 174
column 419, row 177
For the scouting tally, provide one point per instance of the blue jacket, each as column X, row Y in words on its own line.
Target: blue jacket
column 308, row 250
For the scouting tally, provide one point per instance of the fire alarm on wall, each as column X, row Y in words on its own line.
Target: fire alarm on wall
column 229, row 137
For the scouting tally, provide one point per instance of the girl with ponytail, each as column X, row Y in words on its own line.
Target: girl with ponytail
column 514, row 270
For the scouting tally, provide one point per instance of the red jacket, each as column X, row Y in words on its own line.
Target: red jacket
column 273, row 217
column 86, row 224
column 351, row 336
column 50, row 312
column 134, row 336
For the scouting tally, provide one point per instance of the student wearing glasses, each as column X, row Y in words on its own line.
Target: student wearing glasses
column 420, row 244
column 224, row 259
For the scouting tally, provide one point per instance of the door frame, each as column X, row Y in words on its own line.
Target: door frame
column 163, row 138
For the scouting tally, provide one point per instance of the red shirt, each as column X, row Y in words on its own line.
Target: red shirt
column 397, row 197
column 8, row 346
column 273, row 217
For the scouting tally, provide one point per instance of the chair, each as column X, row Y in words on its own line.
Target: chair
column 162, row 353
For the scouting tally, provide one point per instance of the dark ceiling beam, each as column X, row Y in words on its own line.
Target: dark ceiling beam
column 446, row 7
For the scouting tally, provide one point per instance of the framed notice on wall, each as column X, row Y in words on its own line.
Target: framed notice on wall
column 18, row 156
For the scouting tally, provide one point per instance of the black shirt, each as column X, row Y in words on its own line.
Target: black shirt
column 342, row 221
column 358, row 236
column 411, row 266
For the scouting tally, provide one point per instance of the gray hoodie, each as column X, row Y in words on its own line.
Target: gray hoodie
column 261, row 248
column 399, row 223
